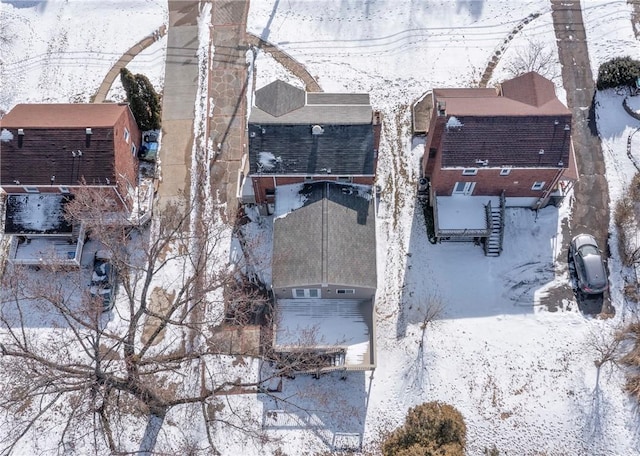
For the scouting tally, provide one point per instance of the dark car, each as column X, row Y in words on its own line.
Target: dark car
column 590, row 269
column 103, row 280
column 149, row 149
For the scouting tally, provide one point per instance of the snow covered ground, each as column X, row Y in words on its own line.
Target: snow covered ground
column 523, row 377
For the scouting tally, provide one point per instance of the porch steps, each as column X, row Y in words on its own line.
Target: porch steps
column 493, row 243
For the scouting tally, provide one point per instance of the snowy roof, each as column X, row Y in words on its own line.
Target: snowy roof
column 462, row 212
column 38, row 213
column 329, row 240
column 327, row 323
column 292, row 149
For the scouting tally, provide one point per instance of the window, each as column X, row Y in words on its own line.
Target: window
column 126, row 135
column 469, row 172
column 31, row 189
column 64, row 189
column 306, row 292
column 505, row 171
column 345, row 179
column 133, row 149
column 463, row 188
column 308, row 178
column 346, row 291
column 537, row 185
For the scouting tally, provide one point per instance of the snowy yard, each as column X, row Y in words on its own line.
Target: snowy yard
column 523, row 374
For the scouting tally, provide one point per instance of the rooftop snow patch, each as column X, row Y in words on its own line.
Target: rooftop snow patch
column 266, row 161
column 5, row 135
column 453, row 122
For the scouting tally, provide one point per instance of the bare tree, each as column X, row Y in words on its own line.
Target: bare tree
column 534, row 56
column 157, row 354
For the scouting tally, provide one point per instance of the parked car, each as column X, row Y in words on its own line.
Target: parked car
column 149, row 149
column 103, row 279
column 590, row 269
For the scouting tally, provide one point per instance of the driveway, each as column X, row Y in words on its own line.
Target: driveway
column 590, row 211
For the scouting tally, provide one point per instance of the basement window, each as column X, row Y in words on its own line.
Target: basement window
column 345, row 291
column 306, row 292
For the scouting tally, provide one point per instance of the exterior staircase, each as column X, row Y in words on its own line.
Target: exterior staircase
column 493, row 243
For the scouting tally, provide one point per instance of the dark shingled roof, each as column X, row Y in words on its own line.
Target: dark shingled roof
column 279, row 98
column 292, row 149
column 53, row 134
column 330, row 239
column 507, row 141
column 48, row 152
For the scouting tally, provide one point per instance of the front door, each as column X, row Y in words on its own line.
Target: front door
column 463, row 188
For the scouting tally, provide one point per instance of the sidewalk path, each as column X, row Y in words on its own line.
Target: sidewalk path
column 228, row 89
column 178, row 101
column 114, row 72
column 284, row 59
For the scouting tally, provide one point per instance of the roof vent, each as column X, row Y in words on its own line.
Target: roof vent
column 556, row 122
column 566, row 127
column 541, row 152
column 88, row 131
column 21, row 131
column 482, row 162
column 317, row 130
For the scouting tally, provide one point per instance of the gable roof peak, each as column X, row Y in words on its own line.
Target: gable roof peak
column 279, row 98
column 530, row 88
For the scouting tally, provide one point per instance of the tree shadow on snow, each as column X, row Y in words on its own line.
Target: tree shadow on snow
column 332, row 407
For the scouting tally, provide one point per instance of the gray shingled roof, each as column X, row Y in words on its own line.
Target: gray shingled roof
column 279, row 98
column 330, row 239
column 281, row 103
column 292, row 149
column 507, row 141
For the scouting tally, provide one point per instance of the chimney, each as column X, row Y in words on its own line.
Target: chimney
column 442, row 108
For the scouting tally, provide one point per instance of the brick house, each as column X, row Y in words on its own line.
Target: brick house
column 488, row 149
column 296, row 137
column 48, row 151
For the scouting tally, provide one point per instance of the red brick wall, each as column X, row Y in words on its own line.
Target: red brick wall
column 434, row 138
column 126, row 163
column 489, row 181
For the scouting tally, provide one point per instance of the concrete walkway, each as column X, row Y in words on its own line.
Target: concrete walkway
column 178, row 102
column 284, row 59
column 228, row 90
column 114, row 72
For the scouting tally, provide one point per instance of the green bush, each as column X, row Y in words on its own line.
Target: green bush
column 617, row 72
column 430, row 429
column 143, row 100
